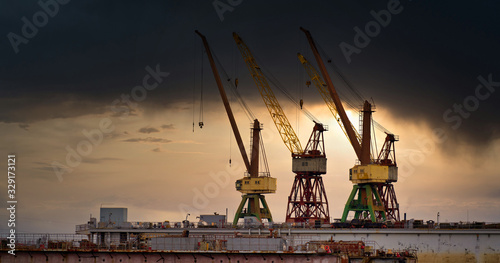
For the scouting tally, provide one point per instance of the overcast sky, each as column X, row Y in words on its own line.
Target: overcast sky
column 73, row 97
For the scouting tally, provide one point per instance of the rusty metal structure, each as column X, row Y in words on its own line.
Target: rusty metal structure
column 307, row 202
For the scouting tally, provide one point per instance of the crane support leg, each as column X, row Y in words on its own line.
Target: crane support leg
column 265, row 212
column 388, row 197
column 307, row 201
column 368, row 204
column 253, row 208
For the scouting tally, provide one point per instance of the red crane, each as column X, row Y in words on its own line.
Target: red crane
column 307, row 201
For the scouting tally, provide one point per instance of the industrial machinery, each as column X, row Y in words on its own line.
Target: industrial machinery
column 255, row 184
column 373, row 195
column 307, row 201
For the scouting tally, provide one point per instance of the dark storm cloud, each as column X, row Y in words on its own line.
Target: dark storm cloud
column 425, row 61
column 428, row 63
column 36, row 106
column 86, row 56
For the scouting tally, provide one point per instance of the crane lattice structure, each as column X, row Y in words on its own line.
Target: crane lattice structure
column 307, row 201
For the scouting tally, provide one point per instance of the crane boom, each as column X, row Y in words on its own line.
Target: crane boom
column 362, row 150
column 285, row 130
column 325, row 94
column 229, row 112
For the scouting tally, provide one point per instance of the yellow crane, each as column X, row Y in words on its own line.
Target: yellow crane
column 307, row 202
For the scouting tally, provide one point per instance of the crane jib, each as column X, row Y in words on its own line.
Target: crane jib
column 280, row 120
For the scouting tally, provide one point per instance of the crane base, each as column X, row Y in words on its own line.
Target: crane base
column 307, row 201
column 368, row 204
column 253, row 208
